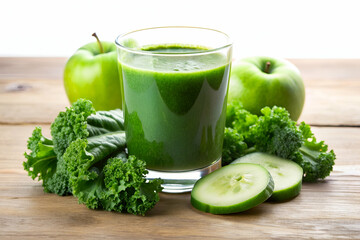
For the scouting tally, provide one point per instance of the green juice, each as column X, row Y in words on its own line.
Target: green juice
column 174, row 106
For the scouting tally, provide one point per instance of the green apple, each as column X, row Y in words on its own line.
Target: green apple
column 92, row 73
column 264, row 81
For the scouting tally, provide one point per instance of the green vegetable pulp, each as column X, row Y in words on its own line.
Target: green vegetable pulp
column 175, row 106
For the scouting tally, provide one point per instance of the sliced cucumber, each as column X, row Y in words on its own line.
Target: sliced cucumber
column 233, row 188
column 287, row 174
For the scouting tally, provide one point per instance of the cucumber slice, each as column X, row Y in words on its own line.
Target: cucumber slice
column 233, row 188
column 287, row 174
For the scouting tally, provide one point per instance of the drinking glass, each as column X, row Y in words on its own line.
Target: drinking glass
column 174, row 84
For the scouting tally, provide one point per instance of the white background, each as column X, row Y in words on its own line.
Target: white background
column 290, row 29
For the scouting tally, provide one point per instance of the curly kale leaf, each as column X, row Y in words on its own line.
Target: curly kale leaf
column 233, row 146
column 67, row 127
column 236, row 135
column 313, row 156
column 102, row 177
column 232, row 109
column 71, row 125
column 80, row 121
column 41, row 162
column 59, row 182
column 276, row 133
column 126, row 187
column 239, row 119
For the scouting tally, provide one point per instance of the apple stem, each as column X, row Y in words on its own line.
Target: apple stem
column 267, row 67
column 97, row 39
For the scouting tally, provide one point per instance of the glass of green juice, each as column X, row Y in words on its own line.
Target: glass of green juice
column 174, row 84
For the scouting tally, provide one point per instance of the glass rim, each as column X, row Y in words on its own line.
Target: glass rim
column 200, row 52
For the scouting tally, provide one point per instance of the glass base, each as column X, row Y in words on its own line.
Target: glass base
column 180, row 182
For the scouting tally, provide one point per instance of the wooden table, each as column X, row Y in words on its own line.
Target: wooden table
column 31, row 93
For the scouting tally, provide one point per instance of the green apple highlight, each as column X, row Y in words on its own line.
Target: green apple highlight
column 257, row 82
column 92, row 73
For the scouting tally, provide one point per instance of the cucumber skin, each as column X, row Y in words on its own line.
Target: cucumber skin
column 279, row 196
column 260, row 198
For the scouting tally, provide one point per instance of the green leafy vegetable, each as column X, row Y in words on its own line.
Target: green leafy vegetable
column 71, row 125
column 77, row 122
column 275, row 133
column 41, row 162
column 240, row 119
column 111, row 183
column 87, row 158
column 314, row 156
column 233, row 146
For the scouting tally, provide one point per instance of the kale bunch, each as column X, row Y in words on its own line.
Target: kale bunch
column 275, row 133
column 86, row 157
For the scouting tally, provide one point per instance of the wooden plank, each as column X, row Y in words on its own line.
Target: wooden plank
column 39, row 101
column 31, row 68
column 333, row 103
column 328, row 70
column 323, row 211
column 32, row 88
column 326, row 210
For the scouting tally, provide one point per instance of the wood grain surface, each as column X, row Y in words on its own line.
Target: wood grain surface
column 31, row 94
